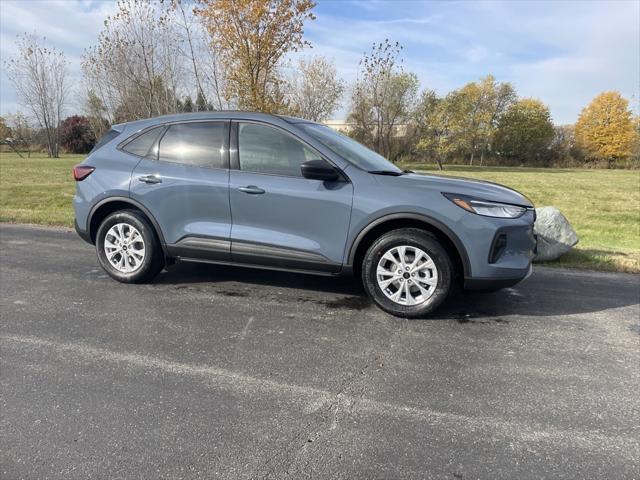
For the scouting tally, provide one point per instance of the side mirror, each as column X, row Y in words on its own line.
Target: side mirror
column 319, row 170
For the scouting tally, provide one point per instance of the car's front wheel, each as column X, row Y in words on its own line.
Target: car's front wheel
column 127, row 247
column 407, row 272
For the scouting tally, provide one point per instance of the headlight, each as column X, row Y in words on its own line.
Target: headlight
column 486, row 208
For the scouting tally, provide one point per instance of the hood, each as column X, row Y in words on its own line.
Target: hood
column 464, row 186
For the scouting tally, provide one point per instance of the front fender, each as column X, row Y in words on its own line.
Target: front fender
column 355, row 241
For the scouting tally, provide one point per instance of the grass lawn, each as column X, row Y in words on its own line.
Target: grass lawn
column 602, row 205
column 37, row 189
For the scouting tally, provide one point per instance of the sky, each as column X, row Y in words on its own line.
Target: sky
column 562, row 52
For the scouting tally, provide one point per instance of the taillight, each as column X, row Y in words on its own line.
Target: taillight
column 80, row 172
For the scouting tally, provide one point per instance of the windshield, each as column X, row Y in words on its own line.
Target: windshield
column 349, row 149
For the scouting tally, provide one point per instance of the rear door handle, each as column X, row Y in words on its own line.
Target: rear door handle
column 252, row 190
column 150, row 179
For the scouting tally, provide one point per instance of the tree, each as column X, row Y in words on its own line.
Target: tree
column 187, row 105
column 5, row 130
column 202, row 105
column 76, row 135
column 382, row 98
column 194, row 45
column 6, row 136
column 605, row 128
column 252, row 37
column 478, row 107
column 499, row 97
column 525, row 131
column 563, row 149
column 97, row 114
column 135, row 69
column 433, row 123
column 39, row 77
column 150, row 55
column 186, row 24
column 22, row 135
column 314, row 89
column 635, row 154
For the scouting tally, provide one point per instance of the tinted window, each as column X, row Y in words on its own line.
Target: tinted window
column 199, row 143
column 265, row 149
column 106, row 138
column 142, row 144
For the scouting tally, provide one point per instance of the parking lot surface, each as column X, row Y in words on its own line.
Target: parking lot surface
column 220, row 372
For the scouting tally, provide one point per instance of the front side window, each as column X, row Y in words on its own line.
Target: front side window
column 349, row 149
column 199, row 144
column 141, row 145
column 264, row 149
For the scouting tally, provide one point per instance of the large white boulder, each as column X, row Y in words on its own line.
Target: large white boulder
column 555, row 234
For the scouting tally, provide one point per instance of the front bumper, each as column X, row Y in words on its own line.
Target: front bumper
column 490, row 284
column 502, row 252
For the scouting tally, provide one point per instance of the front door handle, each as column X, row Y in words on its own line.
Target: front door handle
column 150, row 179
column 251, row 190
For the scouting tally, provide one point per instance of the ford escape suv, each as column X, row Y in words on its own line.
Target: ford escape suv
column 284, row 193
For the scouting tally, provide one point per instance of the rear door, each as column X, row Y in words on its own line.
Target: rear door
column 280, row 218
column 183, row 180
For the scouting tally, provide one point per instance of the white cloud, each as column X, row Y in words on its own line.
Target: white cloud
column 592, row 47
column 70, row 26
column 564, row 53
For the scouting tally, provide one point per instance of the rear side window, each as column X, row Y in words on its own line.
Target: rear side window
column 142, row 144
column 106, row 138
column 199, row 144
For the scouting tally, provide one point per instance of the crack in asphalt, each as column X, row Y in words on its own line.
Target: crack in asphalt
column 294, row 460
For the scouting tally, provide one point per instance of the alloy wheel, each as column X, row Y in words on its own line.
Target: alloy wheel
column 124, row 247
column 407, row 275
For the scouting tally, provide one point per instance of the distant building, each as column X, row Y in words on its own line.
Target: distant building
column 342, row 126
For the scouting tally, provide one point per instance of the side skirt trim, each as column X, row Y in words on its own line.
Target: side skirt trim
column 240, row 253
column 261, row 267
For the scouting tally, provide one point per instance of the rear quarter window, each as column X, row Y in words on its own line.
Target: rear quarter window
column 106, row 138
column 143, row 143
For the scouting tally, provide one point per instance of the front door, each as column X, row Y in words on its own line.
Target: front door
column 281, row 219
column 183, row 181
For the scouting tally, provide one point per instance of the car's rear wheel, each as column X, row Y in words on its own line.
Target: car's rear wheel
column 128, row 248
column 407, row 272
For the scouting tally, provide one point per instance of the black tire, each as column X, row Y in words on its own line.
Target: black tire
column 415, row 238
column 153, row 261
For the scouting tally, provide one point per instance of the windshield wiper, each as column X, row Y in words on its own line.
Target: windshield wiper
column 391, row 173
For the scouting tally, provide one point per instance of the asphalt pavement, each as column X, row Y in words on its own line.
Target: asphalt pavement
column 221, row 372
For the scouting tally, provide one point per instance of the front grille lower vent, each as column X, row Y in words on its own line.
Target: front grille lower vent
column 499, row 247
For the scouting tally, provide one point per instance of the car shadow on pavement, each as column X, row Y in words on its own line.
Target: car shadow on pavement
column 189, row 273
column 548, row 292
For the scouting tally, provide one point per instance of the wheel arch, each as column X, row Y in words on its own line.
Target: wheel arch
column 393, row 221
column 112, row 204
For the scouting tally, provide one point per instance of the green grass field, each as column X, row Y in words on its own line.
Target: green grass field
column 37, row 189
column 602, row 205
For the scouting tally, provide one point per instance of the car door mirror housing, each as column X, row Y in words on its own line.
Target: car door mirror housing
column 319, row 170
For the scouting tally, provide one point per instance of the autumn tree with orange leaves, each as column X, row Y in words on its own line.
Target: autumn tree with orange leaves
column 252, row 38
column 605, row 129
